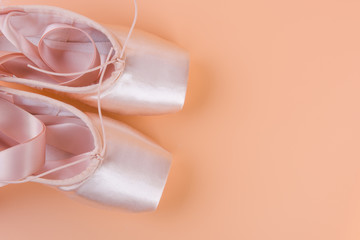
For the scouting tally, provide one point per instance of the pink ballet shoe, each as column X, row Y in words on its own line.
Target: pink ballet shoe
column 51, row 48
column 47, row 141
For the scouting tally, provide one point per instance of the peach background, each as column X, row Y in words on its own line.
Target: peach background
column 267, row 146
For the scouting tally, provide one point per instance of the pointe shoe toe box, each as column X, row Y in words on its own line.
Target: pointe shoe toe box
column 133, row 173
column 154, row 80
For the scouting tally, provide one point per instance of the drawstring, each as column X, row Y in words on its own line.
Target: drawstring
column 99, row 104
column 75, row 73
column 30, row 178
column 102, row 67
column 131, row 30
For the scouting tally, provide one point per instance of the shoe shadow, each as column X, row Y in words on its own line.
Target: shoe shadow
column 199, row 90
column 179, row 189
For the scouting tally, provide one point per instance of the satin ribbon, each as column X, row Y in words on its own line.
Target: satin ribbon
column 25, row 138
column 22, row 138
column 52, row 54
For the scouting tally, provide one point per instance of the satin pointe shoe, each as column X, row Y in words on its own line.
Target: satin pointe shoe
column 61, row 51
column 47, row 141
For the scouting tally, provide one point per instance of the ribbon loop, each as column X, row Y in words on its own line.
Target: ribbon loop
column 34, row 146
column 23, row 142
column 62, row 48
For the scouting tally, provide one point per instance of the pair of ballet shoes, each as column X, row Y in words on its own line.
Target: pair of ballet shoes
column 56, row 144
